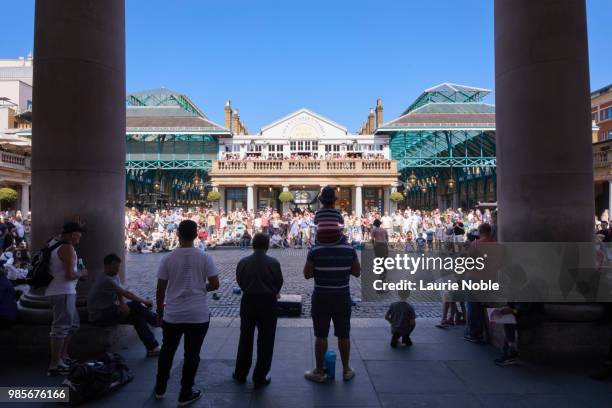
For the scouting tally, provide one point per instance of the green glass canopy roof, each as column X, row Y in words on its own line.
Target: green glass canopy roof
column 447, row 127
column 166, row 130
column 448, row 92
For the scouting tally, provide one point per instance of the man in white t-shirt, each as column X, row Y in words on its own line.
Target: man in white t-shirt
column 387, row 223
column 185, row 276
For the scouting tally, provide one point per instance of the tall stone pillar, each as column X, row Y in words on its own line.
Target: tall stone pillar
column 250, row 198
column 358, row 200
column 78, row 141
column 544, row 153
column 25, row 200
column 544, row 160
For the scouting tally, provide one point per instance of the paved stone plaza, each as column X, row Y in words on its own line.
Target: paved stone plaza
column 439, row 370
column 141, row 270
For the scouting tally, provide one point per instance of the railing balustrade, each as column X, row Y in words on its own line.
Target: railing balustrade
column 14, row 160
column 305, row 167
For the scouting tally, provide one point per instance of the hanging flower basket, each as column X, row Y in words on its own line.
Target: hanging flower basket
column 7, row 195
column 285, row 197
column 396, row 196
column 213, row 196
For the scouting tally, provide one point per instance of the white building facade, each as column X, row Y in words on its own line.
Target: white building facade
column 300, row 154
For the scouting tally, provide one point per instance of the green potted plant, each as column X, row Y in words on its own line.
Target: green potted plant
column 213, row 196
column 285, row 197
column 7, row 195
column 396, row 196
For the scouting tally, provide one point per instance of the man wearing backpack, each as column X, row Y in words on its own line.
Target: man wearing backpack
column 61, row 293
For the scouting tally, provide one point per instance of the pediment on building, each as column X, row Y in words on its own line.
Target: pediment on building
column 304, row 125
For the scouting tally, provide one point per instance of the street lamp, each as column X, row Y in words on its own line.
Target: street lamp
column 412, row 179
column 156, row 183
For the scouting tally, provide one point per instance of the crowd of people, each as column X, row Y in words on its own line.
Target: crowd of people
column 414, row 230
column 301, row 156
column 187, row 274
column 14, row 245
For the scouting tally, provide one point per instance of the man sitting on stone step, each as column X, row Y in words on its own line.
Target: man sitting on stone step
column 106, row 305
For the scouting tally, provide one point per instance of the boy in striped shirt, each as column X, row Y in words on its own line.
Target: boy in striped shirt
column 329, row 222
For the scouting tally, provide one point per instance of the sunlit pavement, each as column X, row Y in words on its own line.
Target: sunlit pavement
column 142, row 269
column 439, row 370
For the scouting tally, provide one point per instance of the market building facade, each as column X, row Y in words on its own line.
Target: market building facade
column 439, row 153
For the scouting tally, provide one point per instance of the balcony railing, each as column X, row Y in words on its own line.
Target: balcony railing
column 345, row 167
column 602, row 159
column 15, row 161
column 602, row 154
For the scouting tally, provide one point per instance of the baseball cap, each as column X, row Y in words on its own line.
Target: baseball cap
column 71, row 227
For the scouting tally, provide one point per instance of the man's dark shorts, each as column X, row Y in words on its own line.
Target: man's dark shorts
column 331, row 306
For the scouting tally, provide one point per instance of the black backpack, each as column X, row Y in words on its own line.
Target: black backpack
column 39, row 275
column 92, row 379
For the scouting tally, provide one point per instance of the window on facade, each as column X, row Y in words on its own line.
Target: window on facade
column 609, row 134
column 595, row 117
column 236, row 198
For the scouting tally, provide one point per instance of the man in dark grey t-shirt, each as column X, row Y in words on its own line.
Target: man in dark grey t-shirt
column 106, row 307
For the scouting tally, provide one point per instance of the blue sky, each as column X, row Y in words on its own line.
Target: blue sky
column 334, row 57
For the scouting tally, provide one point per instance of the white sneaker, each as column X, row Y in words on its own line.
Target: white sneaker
column 348, row 374
column 315, row 376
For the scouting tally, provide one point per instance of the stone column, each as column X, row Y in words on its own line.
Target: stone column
column 386, row 201
column 358, row 200
column 250, row 198
column 286, row 206
column 78, row 141
column 544, row 154
column 545, row 160
column 25, row 200
column 222, row 198
column 217, row 204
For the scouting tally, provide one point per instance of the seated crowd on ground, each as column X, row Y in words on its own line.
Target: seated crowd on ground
column 413, row 230
column 14, row 246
